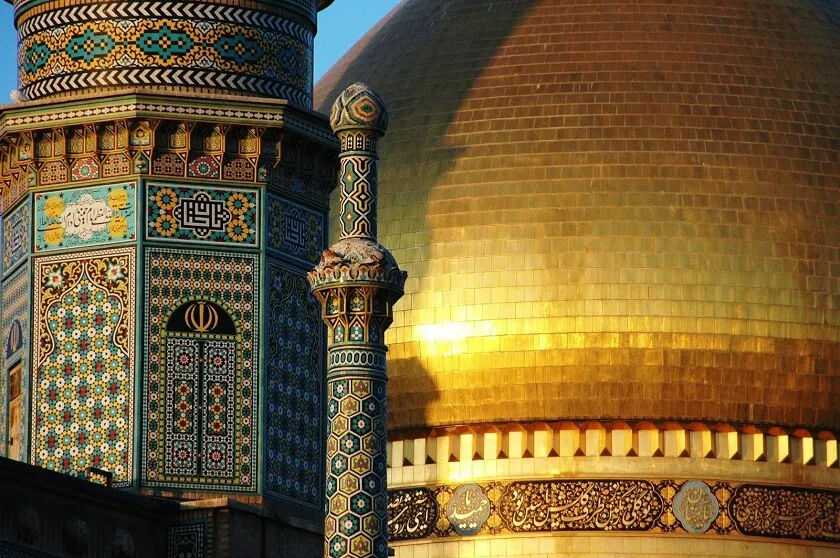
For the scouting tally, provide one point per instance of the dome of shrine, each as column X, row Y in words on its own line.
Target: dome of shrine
column 625, row 210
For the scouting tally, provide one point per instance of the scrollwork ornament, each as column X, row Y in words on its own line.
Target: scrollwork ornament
column 667, row 521
column 443, row 494
column 723, row 524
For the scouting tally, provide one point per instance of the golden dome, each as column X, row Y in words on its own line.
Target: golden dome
column 622, row 210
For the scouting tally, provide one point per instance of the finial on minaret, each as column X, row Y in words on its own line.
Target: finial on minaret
column 357, row 282
column 359, row 108
column 358, row 119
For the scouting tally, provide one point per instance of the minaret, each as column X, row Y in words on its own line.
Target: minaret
column 165, row 186
column 357, row 282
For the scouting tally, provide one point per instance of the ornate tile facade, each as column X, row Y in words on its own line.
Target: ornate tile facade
column 83, row 390
column 176, row 43
column 294, row 231
column 15, row 322
column 186, row 541
column 201, row 340
column 85, row 217
column 294, row 388
column 667, row 506
column 208, row 215
column 17, row 228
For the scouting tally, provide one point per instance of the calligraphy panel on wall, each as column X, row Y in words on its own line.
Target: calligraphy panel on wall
column 16, row 236
column 85, row 217
column 206, row 215
column 200, row 389
column 82, row 409
column 294, row 231
column 666, row 506
column 16, row 350
column 294, row 388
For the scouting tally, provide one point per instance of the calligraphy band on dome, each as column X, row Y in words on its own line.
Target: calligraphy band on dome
column 613, row 505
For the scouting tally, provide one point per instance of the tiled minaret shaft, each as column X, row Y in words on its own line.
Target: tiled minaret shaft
column 230, row 47
column 357, row 282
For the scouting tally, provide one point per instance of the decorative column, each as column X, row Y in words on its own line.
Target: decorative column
column 357, row 282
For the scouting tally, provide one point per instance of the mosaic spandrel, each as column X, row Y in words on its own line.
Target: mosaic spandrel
column 85, row 217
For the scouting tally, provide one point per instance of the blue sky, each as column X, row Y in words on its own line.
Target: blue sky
column 339, row 26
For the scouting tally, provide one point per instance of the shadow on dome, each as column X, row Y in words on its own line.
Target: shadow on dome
column 410, row 377
column 423, row 160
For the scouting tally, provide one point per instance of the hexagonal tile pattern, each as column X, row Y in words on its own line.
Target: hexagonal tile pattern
column 354, row 487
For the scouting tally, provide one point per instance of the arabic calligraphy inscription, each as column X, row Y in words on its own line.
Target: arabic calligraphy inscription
column 580, row 506
column 412, row 513
column 695, row 507
column 16, row 236
column 468, row 509
column 85, row 217
column 785, row 512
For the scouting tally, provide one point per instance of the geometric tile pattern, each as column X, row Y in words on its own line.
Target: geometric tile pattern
column 358, row 197
column 83, row 389
column 359, row 118
column 85, row 217
column 356, row 478
column 16, row 312
column 293, row 388
column 166, row 43
column 16, row 236
column 215, row 447
column 294, row 231
column 612, row 505
column 357, row 282
column 202, row 215
column 198, row 408
column 186, row 541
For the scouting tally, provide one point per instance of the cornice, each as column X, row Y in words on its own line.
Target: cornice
column 138, row 103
